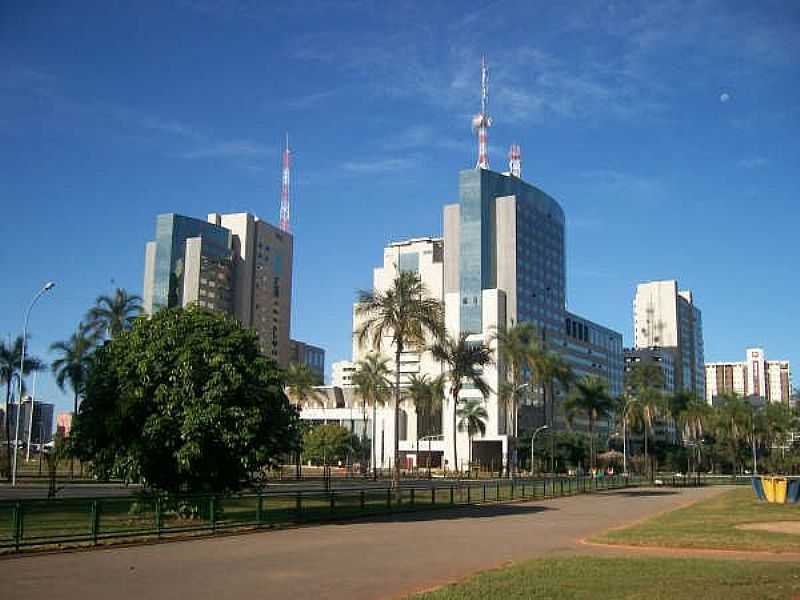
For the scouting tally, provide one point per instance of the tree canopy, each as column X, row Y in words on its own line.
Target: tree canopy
column 184, row 401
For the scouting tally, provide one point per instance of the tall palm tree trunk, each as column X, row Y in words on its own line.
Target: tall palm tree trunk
column 646, row 459
column 591, row 443
column 396, row 472
column 364, row 451
column 455, row 429
column 8, row 430
column 71, row 457
column 550, row 422
column 372, row 442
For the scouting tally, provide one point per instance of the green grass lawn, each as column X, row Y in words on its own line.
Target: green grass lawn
column 712, row 524
column 629, row 578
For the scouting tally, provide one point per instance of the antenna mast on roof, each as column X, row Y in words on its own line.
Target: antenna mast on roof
column 482, row 121
column 284, row 222
column 515, row 161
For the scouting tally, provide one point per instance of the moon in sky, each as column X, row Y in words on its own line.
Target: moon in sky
column 724, row 97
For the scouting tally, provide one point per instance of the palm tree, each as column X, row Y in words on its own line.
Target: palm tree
column 645, row 384
column 549, row 368
column 464, row 361
column 591, row 399
column 300, row 382
column 472, row 418
column 693, row 421
column 426, row 394
column 733, row 424
column 72, row 366
column 113, row 314
column 406, row 314
column 517, row 347
column 10, row 355
column 372, row 380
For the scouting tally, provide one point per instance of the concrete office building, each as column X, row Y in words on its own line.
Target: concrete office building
column 755, row 377
column 311, row 356
column 36, row 426
column 665, row 317
column 342, row 372
column 232, row 263
column 501, row 262
column 663, row 358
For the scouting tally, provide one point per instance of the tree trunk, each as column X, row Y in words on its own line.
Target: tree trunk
column 7, row 466
column 591, row 443
column 646, row 461
column 396, row 471
column 550, row 422
column 372, row 441
column 72, row 424
column 456, row 390
column 364, row 453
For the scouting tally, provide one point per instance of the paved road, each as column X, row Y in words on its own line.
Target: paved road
column 385, row 558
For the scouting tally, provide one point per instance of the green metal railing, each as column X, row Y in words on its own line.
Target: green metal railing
column 70, row 521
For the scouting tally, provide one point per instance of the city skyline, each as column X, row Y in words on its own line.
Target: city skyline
column 660, row 170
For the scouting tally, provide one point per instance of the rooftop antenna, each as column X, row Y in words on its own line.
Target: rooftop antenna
column 284, row 223
column 482, row 121
column 515, row 161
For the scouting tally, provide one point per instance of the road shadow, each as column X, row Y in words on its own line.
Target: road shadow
column 645, row 493
column 471, row 511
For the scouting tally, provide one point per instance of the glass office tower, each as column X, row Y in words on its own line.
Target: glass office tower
column 535, row 265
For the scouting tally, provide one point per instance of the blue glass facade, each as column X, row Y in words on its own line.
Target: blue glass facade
column 540, row 267
column 172, row 231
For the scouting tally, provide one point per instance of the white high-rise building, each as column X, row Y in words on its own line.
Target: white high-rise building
column 664, row 317
column 755, row 377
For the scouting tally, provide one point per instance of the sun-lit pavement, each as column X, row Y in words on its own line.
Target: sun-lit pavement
column 384, row 558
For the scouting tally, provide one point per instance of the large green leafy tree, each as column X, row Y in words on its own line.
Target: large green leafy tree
column 590, row 398
column 464, row 361
column 406, row 314
column 113, row 314
column 328, row 443
column 184, row 402
column 10, row 355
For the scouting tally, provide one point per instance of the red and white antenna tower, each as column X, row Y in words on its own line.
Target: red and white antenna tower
column 515, row 161
column 284, row 224
column 482, row 121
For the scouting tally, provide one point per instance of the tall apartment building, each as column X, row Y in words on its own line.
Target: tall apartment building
column 663, row 358
column 311, row 356
column 665, row 317
column 232, row 263
column 35, row 423
column 754, row 377
column 342, row 372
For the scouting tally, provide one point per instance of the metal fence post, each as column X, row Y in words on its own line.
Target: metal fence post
column 298, row 505
column 497, row 492
column 18, row 517
column 561, row 483
column 158, row 516
column 469, row 494
column 512, row 489
column 95, row 517
column 484, row 492
column 212, row 509
column 452, row 498
column 361, row 499
column 260, row 508
column 333, row 503
column 389, row 498
column 412, row 496
column 433, row 495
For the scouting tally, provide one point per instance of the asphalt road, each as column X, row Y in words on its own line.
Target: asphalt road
column 382, row 558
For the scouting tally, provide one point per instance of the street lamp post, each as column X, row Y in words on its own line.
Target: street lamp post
column 533, row 441
column 515, row 425
column 48, row 286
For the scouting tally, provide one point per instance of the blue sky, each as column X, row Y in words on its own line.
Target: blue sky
column 668, row 132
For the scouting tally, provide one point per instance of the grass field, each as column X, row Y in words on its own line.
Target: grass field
column 712, row 524
column 629, row 578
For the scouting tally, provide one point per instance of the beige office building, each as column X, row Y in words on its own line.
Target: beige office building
column 232, row 263
column 756, row 377
column 664, row 317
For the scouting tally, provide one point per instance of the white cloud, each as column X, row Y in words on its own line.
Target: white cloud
column 754, row 162
column 381, row 165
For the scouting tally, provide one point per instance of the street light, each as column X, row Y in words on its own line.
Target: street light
column 47, row 287
column 513, row 469
column 533, row 441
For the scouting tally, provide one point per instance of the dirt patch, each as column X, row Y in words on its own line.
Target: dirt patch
column 792, row 527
